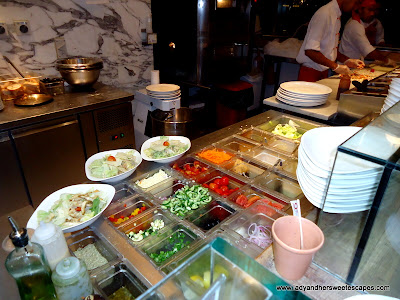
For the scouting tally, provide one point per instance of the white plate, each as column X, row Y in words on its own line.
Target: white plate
column 296, row 103
column 304, row 87
column 285, row 92
column 48, row 202
column 300, row 99
column 147, row 143
column 113, row 153
column 163, row 88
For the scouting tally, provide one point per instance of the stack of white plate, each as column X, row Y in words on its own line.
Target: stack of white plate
column 354, row 181
column 302, row 93
column 164, row 91
column 393, row 96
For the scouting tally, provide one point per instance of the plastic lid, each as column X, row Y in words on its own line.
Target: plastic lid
column 68, row 267
column 44, row 231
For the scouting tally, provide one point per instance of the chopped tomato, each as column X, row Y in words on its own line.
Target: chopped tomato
column 186, row 166
column 218, row 191
column 206, row 185
column 241, row 200
column 217, row 181
column 224, row 180
column 166, row 144
column 224, row 188
column 213, row 186
column 225, row 194
column 143, row 208
column 78, row 209
column 111, row 158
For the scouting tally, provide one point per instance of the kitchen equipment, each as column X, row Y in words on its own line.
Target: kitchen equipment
column 142, row 109
column 80, row 71
column 33, row 100
column 71, row 279
column 173, row 122
column 52, row 239
column 52, row 86
column 27, row 259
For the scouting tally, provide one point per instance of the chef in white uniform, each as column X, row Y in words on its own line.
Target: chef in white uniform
column 319, row 52
column 354, row 42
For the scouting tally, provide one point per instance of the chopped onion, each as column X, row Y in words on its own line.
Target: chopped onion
column 259, row 235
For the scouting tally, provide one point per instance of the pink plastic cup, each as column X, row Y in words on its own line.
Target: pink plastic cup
column 291, row 262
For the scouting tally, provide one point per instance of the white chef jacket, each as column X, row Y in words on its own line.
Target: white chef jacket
column 380, row 32
column 322, row 35
column 354, row 42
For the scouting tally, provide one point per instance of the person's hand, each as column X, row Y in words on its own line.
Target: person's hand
column 390, row 63
column 354, row 63
column 342, row 69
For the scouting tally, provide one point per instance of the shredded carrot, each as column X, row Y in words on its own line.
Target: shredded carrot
column 215, row 156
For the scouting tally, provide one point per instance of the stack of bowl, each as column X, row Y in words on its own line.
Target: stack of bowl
column 80, row 71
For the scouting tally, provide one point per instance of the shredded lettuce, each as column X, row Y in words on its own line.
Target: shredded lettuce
column 287, row 131
column 73, row 209
column 164, row 148
column 104, row 168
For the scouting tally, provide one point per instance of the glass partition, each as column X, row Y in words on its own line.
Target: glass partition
column 362, row 227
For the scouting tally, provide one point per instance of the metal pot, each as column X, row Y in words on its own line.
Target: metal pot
column 80, row 71
column 173, row 122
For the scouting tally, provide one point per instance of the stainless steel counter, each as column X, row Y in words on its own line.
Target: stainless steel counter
column 72, row 102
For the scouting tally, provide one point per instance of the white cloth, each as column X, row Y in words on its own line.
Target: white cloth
column 380, row 32
column 354, row 42
column 322, row 35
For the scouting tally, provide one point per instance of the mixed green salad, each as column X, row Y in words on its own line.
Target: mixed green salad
column 112, row 165
column 73, row 209
column 287, row 130
column 164, row 148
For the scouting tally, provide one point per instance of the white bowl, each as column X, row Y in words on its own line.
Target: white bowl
column 147, row 143
column 113, row 153
column 48, row 202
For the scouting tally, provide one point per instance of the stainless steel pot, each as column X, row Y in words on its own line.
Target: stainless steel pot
column 80, row 71
column 173, row 122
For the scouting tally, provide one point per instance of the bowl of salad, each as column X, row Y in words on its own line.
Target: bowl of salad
column 74, row 207
column 112, row 166
column 165, row 149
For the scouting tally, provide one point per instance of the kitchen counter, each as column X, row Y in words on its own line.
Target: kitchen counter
column 323, row 112
column 314, row 275
column 72, row 102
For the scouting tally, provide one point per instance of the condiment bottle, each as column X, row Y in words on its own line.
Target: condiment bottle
column 71, row 279
column 344, row 85
column 28, row 265
column 52, row 239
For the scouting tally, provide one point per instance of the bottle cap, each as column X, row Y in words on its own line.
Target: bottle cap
column 68, row 267
column 44, row 232
column 19, row 236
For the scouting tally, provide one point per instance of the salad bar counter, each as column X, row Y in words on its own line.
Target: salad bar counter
column 197, row 227
column 164, row 219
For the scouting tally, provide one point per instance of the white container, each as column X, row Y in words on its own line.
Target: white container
column 71, row 279
column 52, row 239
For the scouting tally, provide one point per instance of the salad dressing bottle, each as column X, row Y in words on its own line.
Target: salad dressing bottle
column 27, row 264
column 52, row 239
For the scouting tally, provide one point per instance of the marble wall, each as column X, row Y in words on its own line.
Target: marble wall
column 110, row 30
